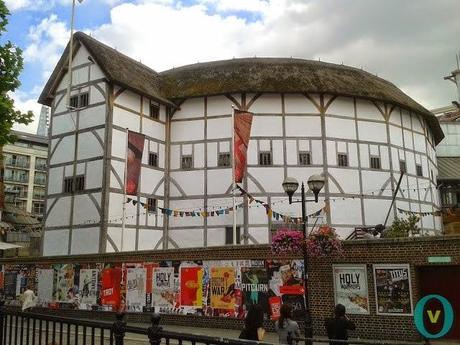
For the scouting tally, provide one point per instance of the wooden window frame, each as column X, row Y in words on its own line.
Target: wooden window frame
column 153, row 162
column 308, row 158
column 341, row 158
column 229, row 235
column 182, row 165
column 262, row 161
column 224, row 162
column 375, row 159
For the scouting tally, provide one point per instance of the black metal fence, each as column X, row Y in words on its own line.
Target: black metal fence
column 31, row 328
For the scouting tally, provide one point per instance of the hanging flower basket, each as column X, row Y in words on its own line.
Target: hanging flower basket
column 324, row 242
column 287, row 241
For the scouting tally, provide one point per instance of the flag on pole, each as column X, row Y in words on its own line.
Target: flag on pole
column 242, row 132
column 133, row 161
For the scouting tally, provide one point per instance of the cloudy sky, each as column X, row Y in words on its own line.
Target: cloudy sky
column 411, row 43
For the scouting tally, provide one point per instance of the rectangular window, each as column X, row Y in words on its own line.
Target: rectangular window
column 79, row 183
column 153, row 159
column 229, row 235
column 223, row 160
column 304, row 158
column 74, row 102
column 342, row 160
column 151, row 205
column 79, row 101
column 186, row 162
column 38, row 207
column 40, row 163
column 375, row 163
column 154, row 112
column 265, row 158
column 40, row 178
column 419, row 170
column 402, row 166
column 68, row 185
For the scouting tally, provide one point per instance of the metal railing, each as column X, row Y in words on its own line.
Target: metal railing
column 30, row 328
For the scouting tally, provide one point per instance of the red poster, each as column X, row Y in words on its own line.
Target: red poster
column 134, row 160
column 111, row 285
column 242, row 128
column 191, row 286
column 275, row 306
column 292, row 290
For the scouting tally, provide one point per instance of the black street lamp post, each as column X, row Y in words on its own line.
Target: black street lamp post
column 290, row 185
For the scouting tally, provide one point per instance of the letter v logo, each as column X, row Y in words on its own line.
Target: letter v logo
column 433, row 318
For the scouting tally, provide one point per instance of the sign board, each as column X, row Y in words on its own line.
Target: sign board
column 439, row 259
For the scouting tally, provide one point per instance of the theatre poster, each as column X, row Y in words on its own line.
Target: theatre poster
column 350, row 288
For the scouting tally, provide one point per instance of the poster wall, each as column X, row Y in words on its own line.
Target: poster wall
column 163, row 294
column 350, row 288
column 191, row 286
column 254, row 285
column 45, row 279
column 88, row 287
column 393, row 289
column 111, row 287
column 222, row 287
column 65, row 289
column 135, row 288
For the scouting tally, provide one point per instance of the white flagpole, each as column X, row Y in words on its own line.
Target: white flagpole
column 124, row 191
column 70, row 54
column 233, row 175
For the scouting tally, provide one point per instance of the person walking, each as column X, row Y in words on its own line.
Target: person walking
column 337, row 327
column 29, row 300
column 254, row 324
column 285, row 326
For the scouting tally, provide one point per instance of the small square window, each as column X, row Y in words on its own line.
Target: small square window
column 223, row 160
column 151, row 205
column 154, row 111
column 229, row 235
column 84, row 100
column 342, row 160
column 79, row 183
column 375, row 163
column 265, row 158
column 186, row 162
column 402, row 166
column 419, row 170
column 74, row 102
column 68, row 185
column 304, row 158
column 153, row 159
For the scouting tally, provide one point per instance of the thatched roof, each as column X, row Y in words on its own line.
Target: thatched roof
column 286, row 75
column 117, row 67
column 249, row 75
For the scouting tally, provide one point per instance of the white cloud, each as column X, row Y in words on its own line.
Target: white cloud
column 25, row 102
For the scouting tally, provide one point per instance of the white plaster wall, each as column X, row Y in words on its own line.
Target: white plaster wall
column 153, row 129
column 93, row 179
column 340, row 128
column 85, row 241
column 367, row 110
column 266, row 103
column 64, row 123
column 129, row 99
column 342, row 106
column 303, row 126
column 191, row 182
column 298, row 104
column 148, row 239
column 55, row 242
column 220, row 105
column 126, row 119
column 60, row 213
column 219, row 181
column 90, row 117
column 189, row 204
column 187, row 238
column 270, row 178
column 371, row 131
column 373, row 218
column 85, row 210
column 191, row 108
column 263, row 126
column 187, row 130
column 219, row 128
column 88, row 146
column 150, row 178
column 55, row 175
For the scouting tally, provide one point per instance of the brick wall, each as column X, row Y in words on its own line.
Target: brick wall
column 413, row 251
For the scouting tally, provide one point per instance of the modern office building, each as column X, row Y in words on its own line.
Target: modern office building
column 310, row 117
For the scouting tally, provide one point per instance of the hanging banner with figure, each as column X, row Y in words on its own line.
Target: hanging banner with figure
column 133, row 161
column 393, row 289
column 242, row 129
column 163, row 287
column 254, row 285
column 135, row 289
column 350, row 288
column 222, row 287
column 45, row 279
column 191, row 286
column 88, row 287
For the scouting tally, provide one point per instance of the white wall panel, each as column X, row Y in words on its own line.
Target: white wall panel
column 91, row 117
column 81, row 56
column 88, row 146
column 149, row 180
column 153, row 129
column 298, row 104
column 216, row 237
column 263, row 126
column 130, row 100
column 94, row 177
column 64, row 123
column 190, row 181
column 291, row 152
column 419, row 143
column 270, row 178
column 346, row 211
column 192, row 107
column 406, row 121
column 126, row 119
column 260, row 234
column 372, row 217
column 187, row 130
column 85, row 241
column 148, row 239
column 342, row 106
column 55, row 242
column 60, row 213
column 219, row 105
column 219, row 181
column 348, row 179
column 368, row 110
column 317, row 152
column 267, row 103
column 219, row 128
column 55, row 178
column 371, row 131
column 212, row 154
column 252, row 155
column 303, row 126
column 408, row 143
column 188, row 238
column 186, row 205
column 396, row 136
column 198, row 156
column 340, row 128
column 277, row 152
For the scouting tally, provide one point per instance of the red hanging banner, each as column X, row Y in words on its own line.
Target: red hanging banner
column 242, row 128
column 134, row 161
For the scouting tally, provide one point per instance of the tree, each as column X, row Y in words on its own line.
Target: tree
column 402, row 227
column 11, row 64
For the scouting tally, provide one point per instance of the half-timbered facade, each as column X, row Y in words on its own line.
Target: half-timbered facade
column 309, row 117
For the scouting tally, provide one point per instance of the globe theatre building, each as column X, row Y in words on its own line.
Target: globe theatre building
column 310, row 117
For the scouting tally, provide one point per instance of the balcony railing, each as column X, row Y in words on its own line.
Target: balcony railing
column 41, row 181
column 39, row 196
column 17, row 164
column 13, row 178
column 40, row 166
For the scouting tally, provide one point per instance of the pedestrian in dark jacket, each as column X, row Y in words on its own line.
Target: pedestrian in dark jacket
column 338, row 326
column 253, row 325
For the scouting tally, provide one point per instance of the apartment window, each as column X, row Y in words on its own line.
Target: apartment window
column 419, row 170
column 342, row 160
column 154, row 111
column 186, row 162
column 265, row 158
column 38, row 207
column 151, row 205
column 40, row 178
column 39, row 193
column 223, row 160
column 229, row 235
column 304, row 158
column 153, row 159
column 375, row 163
column 79, row 101
column 40, row 163
column 402, row 166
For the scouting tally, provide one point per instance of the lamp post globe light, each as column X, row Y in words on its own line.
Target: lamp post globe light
column 315, row 184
